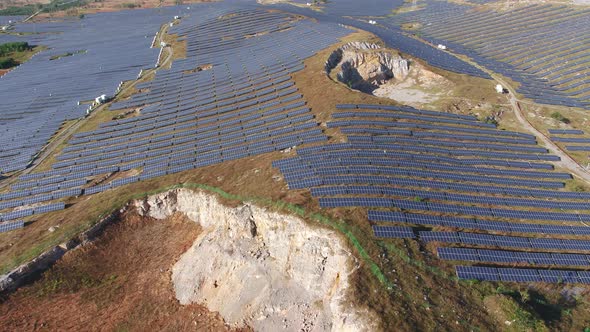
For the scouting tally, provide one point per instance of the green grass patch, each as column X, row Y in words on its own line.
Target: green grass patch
column 559, row 117
column 14, row 54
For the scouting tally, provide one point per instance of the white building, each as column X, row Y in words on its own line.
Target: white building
column 100, row 99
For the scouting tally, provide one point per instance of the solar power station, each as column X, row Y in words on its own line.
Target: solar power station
column 34, row 106
column 244, row 104
column 488, row 201
column 425, row 170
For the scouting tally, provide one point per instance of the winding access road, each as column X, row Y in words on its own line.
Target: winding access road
column 566, row 161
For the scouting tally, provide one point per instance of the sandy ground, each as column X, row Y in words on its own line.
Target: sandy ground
column 420, row 87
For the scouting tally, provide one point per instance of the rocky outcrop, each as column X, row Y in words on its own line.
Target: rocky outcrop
column 365, row 66
column 374, row 68
column 262, row 269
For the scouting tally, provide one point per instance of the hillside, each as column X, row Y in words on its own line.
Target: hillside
column 265, row 167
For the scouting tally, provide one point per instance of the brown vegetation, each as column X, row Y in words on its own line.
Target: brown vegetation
column 120, row 282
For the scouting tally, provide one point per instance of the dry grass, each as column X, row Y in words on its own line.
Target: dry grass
column 540, row 118
column 120, row 282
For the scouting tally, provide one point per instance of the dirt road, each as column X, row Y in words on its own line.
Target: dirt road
column 566, row 162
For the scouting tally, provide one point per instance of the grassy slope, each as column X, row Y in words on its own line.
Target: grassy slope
column 24, row 56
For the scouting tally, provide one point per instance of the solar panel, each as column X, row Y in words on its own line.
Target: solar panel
column 393, row 232
column 11, row 225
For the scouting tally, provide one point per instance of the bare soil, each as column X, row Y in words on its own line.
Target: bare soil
column 120, row 282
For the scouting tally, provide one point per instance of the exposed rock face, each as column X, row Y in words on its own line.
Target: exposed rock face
column 384, row 73
column 374, row 68
column 365, row 66
column 261, row 269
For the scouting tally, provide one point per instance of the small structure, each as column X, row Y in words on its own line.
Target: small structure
column 501, row 89
column 101, row 99
column 441, row 47
column 163, row 44
column 177, row 17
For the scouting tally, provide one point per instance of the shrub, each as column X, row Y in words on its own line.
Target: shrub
column 8, row 48
column 579, row 188
column 559, row 117
column 25, row 10
column 7, row 63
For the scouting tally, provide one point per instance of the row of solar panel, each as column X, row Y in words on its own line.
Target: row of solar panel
column 566, row 132
column 433, row 150
column 41, row 198
column 316, row 166
column 522, row 275
column 434, row 142
column 476, row 224
column 394, row 232
column 512, row 257
column 444, row 196
column 577, row 148
column 11, row 225
column 407, row 109
column 362, row 155
column 380, row 174
column 504, row 241
column 431, row 119
column 29, row 212
column 373, row 202
column 570, row 139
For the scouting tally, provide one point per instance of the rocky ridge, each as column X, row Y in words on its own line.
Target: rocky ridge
column 262, row 269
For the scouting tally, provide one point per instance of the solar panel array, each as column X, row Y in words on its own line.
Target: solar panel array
column 5, row 20
column 522, row 275
column 11, row 225
column 525, row 44
column 39, row 95
column 512, row 257
column 427, row 169
column 244, row 103
column 570, row 136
